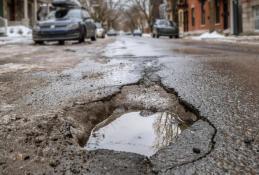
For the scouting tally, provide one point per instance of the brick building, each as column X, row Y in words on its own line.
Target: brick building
column 250, row 16
column 171, row 10
column 199, row 15
column 155, row 8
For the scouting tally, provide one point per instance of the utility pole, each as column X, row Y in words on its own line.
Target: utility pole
column 212, row 16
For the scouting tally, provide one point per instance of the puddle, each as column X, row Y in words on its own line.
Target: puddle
column 135, row 132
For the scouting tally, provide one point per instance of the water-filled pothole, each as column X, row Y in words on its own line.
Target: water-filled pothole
column 136, row 132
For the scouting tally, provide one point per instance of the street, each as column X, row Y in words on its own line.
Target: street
column 53, row 96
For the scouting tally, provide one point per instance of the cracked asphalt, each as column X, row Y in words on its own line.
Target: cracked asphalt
column 52, row 96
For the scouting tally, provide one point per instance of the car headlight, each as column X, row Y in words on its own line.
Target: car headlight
column 73, row 26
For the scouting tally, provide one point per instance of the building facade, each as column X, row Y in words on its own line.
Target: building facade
column 155, row 9
column 20, row 12
column 250, row 16
column 199, row 13
column 198, row 16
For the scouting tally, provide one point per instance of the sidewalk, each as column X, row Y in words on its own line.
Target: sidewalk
column 252, row 39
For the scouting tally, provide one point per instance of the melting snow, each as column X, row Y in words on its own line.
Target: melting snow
column 207, row 35
column 17, row 34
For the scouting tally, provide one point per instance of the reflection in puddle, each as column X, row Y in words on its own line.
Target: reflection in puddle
column 134, row 133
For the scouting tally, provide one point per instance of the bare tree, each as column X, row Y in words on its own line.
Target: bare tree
column 144, row 8
column 134, row 18
column 104, row 11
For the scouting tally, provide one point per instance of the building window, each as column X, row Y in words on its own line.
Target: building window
column 217, row 11
column 193, row 17
column 203, row 15
column 257, row 18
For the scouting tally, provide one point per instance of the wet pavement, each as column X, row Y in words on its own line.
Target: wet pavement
column 52, row 97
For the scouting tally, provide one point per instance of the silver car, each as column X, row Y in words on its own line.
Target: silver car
column 100, row 31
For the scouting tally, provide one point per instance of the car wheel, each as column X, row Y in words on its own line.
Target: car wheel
column 61, row 42
column 170, row 37
column 39, row 42
column 82, row 36
column 157, row 36
column 93, row 38
column 177, row 36
column 153, row 35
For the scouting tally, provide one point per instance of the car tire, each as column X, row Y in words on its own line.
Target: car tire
column 170, row 37
column 177, row 36
column 62, row 42
column 93, row 38
column 157, row 36
column 39, row 42
column 153, row 35
column 82, row 36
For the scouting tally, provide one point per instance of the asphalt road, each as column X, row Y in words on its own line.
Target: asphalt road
column 52, row 96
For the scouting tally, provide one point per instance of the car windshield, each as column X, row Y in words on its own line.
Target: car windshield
column 65, row 13
column 98, row 25
column 164, row 23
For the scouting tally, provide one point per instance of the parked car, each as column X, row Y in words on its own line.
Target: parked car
column 65, row 24
column 112, row 32
column 137, row 32
column 164, row 27
column 66, row 3
column 128, row 33
column 100, row 32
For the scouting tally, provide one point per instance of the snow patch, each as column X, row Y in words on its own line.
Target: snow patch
column 17, row 34
column 147, row 35
column 207, row 35
column 19, row 31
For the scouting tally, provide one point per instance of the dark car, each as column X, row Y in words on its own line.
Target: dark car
column 65, row 24
column 66, row 3
column 100, row 31
column 164, row 27
column 112, row 32
column 137, row 32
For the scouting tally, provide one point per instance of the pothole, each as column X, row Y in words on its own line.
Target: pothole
column 146, row 118
column 141, row 132
column 140, row 118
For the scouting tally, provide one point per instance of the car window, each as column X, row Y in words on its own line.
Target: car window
column 85, row 14
column 164, row 23
column 172, row 23
column 65, row 13
column 98, row 25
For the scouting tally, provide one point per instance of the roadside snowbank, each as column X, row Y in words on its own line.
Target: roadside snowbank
column 17, row 34
column 19, row 31
column 253, row 40
column 208, row 36
column 146, row 35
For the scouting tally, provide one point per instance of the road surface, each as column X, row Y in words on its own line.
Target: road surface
column 52, row 96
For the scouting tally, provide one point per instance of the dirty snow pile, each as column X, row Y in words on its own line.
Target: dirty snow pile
column 19, row 31
column 210, row 36
column 17, row 34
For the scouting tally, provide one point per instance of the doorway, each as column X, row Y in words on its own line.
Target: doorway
column 1, row 8
column 226, row 14
column 11, row 10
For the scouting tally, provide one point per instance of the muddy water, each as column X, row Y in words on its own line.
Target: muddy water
column 135, row 132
